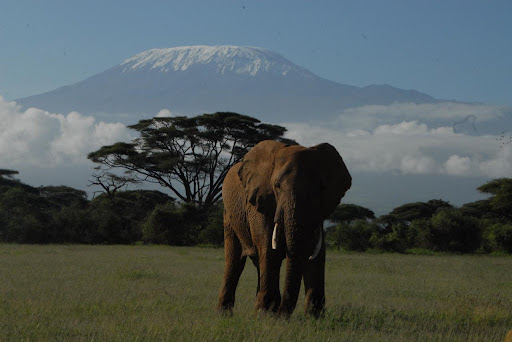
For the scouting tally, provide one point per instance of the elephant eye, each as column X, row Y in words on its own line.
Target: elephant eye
column 278, row 185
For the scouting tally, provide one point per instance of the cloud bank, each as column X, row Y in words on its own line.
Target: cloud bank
column 457, row 115
column 38, row 138
column 410, row 147
column 416, row 139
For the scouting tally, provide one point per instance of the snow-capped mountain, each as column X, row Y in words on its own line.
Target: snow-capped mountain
column 205, row 79
column 225, row 59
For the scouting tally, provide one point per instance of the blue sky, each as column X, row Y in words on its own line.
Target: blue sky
column 449, row 49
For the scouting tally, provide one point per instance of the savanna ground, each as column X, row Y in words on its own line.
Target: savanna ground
column 161, row 293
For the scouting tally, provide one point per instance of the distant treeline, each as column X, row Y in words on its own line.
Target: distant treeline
column 435, row 226
column 60, row 214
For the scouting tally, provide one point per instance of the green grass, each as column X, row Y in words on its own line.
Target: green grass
column 159, row 293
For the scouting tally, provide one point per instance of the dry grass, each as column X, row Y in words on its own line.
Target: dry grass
column 158, row 293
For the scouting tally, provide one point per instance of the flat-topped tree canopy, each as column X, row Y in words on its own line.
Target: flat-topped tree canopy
column 188, row 155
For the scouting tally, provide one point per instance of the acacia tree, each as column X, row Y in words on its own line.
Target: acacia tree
column 346, row 213
column 189, row 156
column 9, row 174
column 413, row 211
column 501, row 200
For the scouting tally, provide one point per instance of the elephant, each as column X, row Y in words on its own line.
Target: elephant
column 275, row 201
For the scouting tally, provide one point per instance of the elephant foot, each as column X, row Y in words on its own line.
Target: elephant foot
column 226, row 304
column 266, row 303
column 226, row 311
column 314, row 306
column 284, row 313
column 315, row 312
column 285, row 309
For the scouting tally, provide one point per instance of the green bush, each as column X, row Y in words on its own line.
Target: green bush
column 396, row 240
column 422, row 234
column 108, row 226
column 119, row 218
column 454, row 232
column 25, row 216
column 354, row 236
column 71, row 225
column 213, row 232
column 171, row 224
column 497, row 237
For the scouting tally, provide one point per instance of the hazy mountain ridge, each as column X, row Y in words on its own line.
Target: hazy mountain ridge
column 198, row 79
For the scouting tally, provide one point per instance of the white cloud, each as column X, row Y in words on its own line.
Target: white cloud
column 371, row 116
column 358, row 133
column 165, row 113
column 500, row 165
column 442, row 110
column 105, row 132
column 403, row 128
column 420, row 164
column 458, row 166
column 36, row 137
column 410, row 147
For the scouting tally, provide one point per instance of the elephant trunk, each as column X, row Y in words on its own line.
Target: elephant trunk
column 300, row 225
column 294, row 271
column 301, row 230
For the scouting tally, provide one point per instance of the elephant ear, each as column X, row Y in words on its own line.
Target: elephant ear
column 256, row 170
column 334, row 176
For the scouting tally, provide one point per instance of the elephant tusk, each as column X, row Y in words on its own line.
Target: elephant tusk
column 318, row 246
column 274, row 237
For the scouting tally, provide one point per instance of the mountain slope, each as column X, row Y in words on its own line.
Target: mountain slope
column 199, row 79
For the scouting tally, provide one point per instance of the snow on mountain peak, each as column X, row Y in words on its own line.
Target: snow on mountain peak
column 239, row 60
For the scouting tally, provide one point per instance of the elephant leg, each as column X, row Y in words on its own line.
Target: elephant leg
column 294, row 269
column 234, row 266
column 268, row 297
column 314, row 283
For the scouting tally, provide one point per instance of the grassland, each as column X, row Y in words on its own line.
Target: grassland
column 159, row 293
